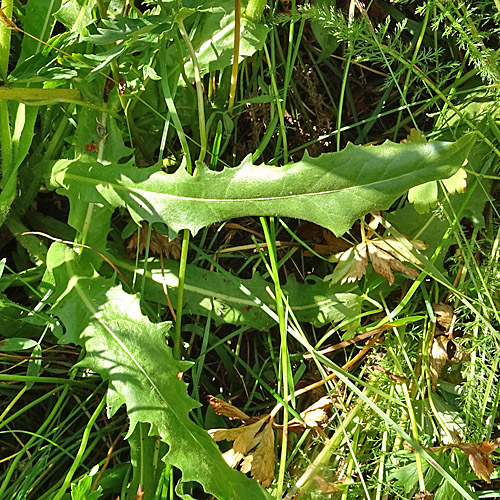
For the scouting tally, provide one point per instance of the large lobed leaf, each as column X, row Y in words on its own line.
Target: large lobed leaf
column 332, row 190
column 129, row 351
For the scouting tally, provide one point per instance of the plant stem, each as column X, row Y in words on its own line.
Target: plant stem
column 81, row 449
column 269, row 233
column 236, row 53
column 203, row 149
column 255, row 9
column 199, row 91
column 5, row 134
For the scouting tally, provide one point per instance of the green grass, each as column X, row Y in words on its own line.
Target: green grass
column 120, row 86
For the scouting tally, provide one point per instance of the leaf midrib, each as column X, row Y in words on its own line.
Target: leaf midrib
column 145, row 193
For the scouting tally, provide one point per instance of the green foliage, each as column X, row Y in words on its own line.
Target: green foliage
column 341, row 186
column 131, row 354
column 317, row 87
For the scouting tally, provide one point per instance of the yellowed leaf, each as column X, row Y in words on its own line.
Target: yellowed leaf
column 316, row 415
column 415, row 136
column 260, row 462
column 457, row 183
column 227, row 409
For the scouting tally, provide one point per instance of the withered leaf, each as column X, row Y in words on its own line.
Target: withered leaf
column 444, row 314
column 245, row 439
column 260, row 462
column 424, row 495
column 444, row 350
column 438, row 359
column 478, row 455
column 316, row 415
column 227, row 409
column 159, row 244
column 324, row 486
column 386, row 255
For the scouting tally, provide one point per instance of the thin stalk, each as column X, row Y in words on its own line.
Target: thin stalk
column 180, row 294
column 81, row 450
column 413, row 60
column 281, row 114
column 5, row 133
column 203, row 149
column 341, row 101
column 199, row 91
column 46, row 422
column 236, row 53
column 270, row 236
column 331, row 445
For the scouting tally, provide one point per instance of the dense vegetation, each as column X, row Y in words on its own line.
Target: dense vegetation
column 272, row 222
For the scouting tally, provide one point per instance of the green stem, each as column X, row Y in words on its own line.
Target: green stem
column 199, row 91
column 203, row 150
column 5, row 133
column 413, row 62
column 255, row 9
column 81, row 450
column 236, row 53
column 29, row 443
column 5, row 33
column 278, row 103
column 269, row 234
column 180, row 293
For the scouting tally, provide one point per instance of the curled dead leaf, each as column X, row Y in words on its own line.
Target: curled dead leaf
column 424, row 495
column 260, row 462
column 316, row 415
column 252, row 445
column 313, row 416
column 159, row 244
column 386, row 255
column 227, row 409
column 478, row 455
column 444, row 350
column 324, row 486
column 444, row 314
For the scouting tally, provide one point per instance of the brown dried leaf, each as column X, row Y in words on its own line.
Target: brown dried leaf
column 159, row 244
column 228, row 410
column 316, row 415
column 242, row 436
column 386, row 256
column 424, row 495
column 478, row 455
column 438, row 359
column 260, row 463
column 383, row 262
column 399, row 249
column 324, row 486
column 444, row 314
column 444, row 350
